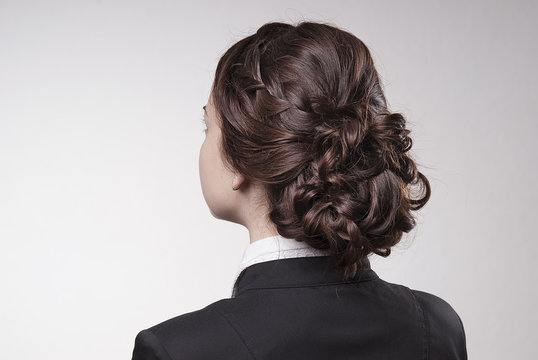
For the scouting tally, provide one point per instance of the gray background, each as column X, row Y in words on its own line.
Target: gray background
column 103, row 227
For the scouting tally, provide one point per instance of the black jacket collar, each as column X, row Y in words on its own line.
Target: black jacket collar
column 296, row 272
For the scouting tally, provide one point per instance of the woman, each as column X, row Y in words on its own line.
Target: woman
column 301, row 149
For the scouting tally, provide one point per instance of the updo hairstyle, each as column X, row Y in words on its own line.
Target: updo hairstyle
column 302, row 111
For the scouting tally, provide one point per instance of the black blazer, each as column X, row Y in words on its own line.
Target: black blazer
column 299, row 308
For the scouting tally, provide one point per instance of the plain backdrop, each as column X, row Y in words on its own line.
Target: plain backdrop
column 104, row 230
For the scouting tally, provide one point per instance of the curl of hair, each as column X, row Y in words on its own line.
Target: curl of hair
column 302, row 111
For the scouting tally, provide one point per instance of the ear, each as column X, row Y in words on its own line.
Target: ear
column 237, row 181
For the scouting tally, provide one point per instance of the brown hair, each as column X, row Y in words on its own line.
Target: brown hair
column 302, row 111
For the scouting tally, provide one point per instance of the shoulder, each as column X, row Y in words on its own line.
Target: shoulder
column 200, row 334
column 447, row 334
column 439, row 311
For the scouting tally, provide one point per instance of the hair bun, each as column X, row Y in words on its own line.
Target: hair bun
column 303, row 112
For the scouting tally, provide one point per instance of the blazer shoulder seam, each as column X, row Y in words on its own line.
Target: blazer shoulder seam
column 235, row 330
column 425, row 326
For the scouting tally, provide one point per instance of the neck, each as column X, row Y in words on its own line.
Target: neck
column 257, row 235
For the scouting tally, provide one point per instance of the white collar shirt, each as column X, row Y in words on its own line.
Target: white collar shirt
column 273, row 248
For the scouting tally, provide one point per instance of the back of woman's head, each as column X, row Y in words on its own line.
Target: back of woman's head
column 302, row 111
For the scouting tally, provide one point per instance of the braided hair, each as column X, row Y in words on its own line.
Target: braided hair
column 302, row 111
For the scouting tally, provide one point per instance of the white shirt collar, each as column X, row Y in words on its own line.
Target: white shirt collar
column 273, row 248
